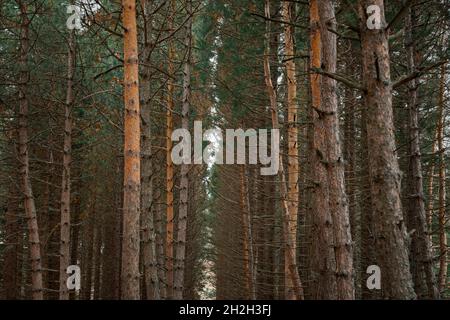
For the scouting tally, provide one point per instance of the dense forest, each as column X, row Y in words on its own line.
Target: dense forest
column 96, row 98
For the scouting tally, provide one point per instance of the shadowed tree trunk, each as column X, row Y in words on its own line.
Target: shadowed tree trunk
column 421, row 259
column 64, row 250
column 24, row 159
column 147, row 203
column 442, row 192
column 180, row 256
column 390, row 237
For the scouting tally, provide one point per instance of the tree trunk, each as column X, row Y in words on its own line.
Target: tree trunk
column 169, row 163
column 29, row 203
column 288, row 239
column 147, row 203
column 180, row 256
column 132, row 176
column 247, row 236
column 430, row 187
column 391, row 240
column 333, row 255
column 292, row 132
column 421, row 258
column 442, row 192
column 64, row 250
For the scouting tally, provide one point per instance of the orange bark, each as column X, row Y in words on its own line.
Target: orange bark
column 292, row 131
column 169, row 163
column 288, row 239
column 132, row 172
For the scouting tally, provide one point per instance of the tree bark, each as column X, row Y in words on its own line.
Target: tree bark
column 288, row 239
column 247, row 236
column 421, row 258
column 147, row 203
column 24, row 159
column 169, row 163
column 292, row 132
column 334, row 252
column 391, row 240
column 132, row 175
column 64, row 250
column 442, row 192
column 180, row 257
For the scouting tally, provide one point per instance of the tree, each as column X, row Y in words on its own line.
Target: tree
column 288, row 237
column 442, row 192
column 333, row 245
column 180, row 256
column 132, row 173
column 64, row 258
column 152, row 285
column 421, row 259
column 169, row 162
column 24, row 159
column 293, row 162
column 391, row 239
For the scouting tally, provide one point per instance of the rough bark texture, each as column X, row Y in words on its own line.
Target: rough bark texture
column 292, row 132
column 147, row 203
column 24, row 159
column 169, row 163
column 367, row 235
column 333, row 254
column 421, row 259
column 180, row 256
column 442, row 192
column 247, row 236
column 64, row 249
column 132, row 175
column 390, row 237
column 288, row 239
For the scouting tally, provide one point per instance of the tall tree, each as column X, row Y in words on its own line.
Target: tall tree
column 180, row 256
column 390, row 236
column 64, row 258
column 292, row 132
column 333, row 245
column 421, row 259
column 152, row 285
column 132, row 169
column 442, row 192
column 24, row 158
column 289, row 240
column 169, row 162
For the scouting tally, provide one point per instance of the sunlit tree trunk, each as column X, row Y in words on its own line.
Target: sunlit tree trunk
column 292, row 132
column 132, row 172
column 333, row 254
column 169, row 163
column 288, row 239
